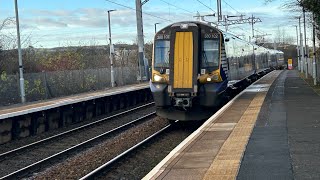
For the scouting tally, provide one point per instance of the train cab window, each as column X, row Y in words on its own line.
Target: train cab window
column 210, row 53
column 161, row 55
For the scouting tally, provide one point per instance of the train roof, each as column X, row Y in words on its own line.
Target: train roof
column 225, row 34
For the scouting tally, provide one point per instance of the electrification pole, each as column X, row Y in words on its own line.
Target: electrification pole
column 254, row 55
column 305, row 42
column 219, row 10
column 301, row 47
column 111, row 50
column 140, row 39
column 298, row 53
column 314, row 69
column 22, row 90
column 252, row 26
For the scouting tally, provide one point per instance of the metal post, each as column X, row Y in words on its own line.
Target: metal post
column 314, row 69
column 155, row 27
column 298, row 53
column 252, row 27
column 226, row 23
column 111, row 51
column 140, row 37
column 254, row 56
column 301, row 47
column 305, row 42
column 22, row 90
column 219, row 10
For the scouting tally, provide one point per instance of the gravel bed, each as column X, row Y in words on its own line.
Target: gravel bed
column 144, row 159
column 49, row 148
column 85, row 162
column 28, row 140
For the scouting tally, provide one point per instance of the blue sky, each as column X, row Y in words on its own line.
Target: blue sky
column 83, row 22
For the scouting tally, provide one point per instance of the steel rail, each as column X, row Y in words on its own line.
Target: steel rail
column 29, row 168
column 8, row 153
column 93, row 173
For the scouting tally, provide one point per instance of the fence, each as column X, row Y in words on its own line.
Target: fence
column 46, row 85
column 310, row 68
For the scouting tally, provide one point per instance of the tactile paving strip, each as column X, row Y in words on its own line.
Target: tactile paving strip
column 227, row 162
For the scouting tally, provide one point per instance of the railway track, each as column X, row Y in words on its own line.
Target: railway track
column 23, row 160
column 105, row 166
column 138, row 160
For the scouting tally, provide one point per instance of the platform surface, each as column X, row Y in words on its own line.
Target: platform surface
column 270, row 131
column 285, row 143
column 21, row 109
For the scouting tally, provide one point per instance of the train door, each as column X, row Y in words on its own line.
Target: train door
column 183, row 60
column 183, row 84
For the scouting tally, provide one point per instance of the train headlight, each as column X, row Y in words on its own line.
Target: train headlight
column 215, row 77
column 212, row 78
column 158, row 78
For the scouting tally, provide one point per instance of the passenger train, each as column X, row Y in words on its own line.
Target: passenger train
column 195, row 65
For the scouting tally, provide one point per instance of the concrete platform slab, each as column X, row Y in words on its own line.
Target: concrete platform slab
column 21, row 109
column 285, row 141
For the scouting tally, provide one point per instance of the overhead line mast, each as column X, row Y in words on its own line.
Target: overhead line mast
column 225, row 21
column 143, row 69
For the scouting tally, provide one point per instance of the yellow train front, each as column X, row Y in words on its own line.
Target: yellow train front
column 190, row 69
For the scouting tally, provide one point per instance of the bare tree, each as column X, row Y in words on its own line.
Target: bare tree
column 7, row 21
column 5, row 39
column 282, row 37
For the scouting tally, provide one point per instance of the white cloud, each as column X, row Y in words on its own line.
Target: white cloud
column 88, row 23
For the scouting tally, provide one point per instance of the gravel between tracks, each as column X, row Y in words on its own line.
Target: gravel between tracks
column 85, row 162
column 138, row 163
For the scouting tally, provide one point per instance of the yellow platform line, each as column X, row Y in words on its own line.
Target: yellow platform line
column 227, row 162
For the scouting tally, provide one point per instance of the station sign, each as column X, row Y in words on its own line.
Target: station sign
column 290, row 64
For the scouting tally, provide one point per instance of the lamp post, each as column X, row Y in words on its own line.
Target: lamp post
column 22, row 90
column 155, row 27
column 111, row 51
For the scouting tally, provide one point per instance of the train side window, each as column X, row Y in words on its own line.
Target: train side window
column 162, row 52
column 228, row 59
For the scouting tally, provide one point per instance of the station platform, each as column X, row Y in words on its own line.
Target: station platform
column 21, row 109
column 22, row 120
column 270, row 130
